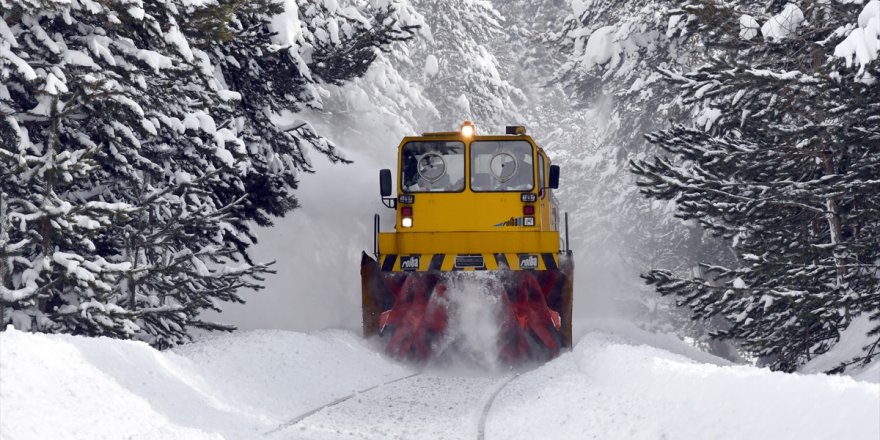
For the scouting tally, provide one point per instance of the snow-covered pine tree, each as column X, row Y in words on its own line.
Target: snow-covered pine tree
column 784, row 164
column 275, row 56
column 461, row 74
column 46, row 249
column 389, row 95
column 613, row 51
column 109, row 111
column 132, row 165
column 528, row 59
column 54, row 276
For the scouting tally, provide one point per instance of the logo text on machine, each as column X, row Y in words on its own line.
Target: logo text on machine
column 528, row 261
column 409, row 262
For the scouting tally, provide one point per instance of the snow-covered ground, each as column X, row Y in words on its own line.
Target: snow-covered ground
column 850, row 346
column 234, row 386
column 615, row 383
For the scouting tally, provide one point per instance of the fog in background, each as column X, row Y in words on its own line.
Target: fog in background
column 317, row 248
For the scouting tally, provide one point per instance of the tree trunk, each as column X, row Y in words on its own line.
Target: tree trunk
column 4, row 243
column 46, row 225
column 832, row 214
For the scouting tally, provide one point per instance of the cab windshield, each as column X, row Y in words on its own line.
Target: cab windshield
column 502, row 166
column 429, row 166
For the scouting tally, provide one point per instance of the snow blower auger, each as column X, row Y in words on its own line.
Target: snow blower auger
column 470, row 203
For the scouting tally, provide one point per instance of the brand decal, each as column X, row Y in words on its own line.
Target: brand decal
column 528, row 261
column 513, row 221
column 409, row 262
column 517, row 221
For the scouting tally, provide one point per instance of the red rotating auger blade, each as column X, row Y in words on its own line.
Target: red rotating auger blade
column 409, row 309
column 533, row 328
column 415, row 319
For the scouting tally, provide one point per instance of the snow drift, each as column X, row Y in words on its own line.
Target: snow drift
column 231, row 387
column 623, row 390
column 243, row 385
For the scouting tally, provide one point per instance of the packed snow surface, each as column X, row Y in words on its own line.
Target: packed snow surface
column 265, row 384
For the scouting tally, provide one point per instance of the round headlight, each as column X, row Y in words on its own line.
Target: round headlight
column 468, row 129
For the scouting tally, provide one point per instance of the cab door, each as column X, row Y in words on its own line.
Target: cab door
column 545, row 208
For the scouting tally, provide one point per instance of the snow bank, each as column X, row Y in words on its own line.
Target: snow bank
column 627, row 333
column 249, row 385
column 852, row 340
column 235, row 386
column 609, row 389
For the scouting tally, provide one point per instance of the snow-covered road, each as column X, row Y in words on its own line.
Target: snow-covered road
column 424, row 406
column 612, row 385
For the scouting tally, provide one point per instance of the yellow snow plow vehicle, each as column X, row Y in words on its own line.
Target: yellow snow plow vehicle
column 467, row 203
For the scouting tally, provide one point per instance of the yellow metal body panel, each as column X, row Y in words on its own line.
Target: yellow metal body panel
column 447, row 224
column 474, row 211
column 468, row 242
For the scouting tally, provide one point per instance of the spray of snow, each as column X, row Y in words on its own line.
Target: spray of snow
column 472, row 337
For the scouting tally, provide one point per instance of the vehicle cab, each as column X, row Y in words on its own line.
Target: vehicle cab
column 461, row 181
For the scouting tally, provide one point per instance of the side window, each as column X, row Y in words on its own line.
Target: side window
column 541, row 184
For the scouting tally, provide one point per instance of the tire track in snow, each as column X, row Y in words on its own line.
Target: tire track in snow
column 484, row 415
column 306, row 414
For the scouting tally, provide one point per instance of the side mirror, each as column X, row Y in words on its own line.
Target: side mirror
column 385, row 183
column 554, row 177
